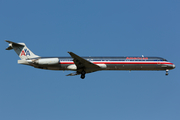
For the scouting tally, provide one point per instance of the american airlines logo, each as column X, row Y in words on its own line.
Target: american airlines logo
column 25, row 52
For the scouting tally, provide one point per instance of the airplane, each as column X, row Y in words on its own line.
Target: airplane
column 84, row 65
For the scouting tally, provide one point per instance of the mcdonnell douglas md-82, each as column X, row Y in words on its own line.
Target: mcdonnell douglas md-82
column 83, row 65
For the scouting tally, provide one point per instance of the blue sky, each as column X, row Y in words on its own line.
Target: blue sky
column 90, row 28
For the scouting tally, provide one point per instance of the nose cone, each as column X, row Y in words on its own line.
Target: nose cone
column 171, row 66
column 174, row 66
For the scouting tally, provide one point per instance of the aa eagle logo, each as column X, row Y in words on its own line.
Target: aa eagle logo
column 25, row 52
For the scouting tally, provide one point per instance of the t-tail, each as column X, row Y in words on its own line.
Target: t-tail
column 22, row 50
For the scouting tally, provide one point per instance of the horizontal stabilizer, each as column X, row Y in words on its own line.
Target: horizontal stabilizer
column 9, row 48
column 17, row 44
column 11, row 44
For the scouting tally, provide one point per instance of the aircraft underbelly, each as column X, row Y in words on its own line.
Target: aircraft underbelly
column 134, row 67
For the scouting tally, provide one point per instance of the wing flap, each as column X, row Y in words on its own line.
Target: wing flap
column 72, row 74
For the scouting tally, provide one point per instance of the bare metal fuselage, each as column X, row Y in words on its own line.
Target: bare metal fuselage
column 112, row 63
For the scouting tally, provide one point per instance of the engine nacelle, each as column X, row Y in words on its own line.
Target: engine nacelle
column 47, row 61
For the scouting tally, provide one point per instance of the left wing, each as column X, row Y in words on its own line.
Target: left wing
column 83, row 65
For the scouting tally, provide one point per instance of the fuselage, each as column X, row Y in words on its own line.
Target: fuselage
column 111, row 63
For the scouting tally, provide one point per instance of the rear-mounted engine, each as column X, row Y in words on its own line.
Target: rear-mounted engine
column 47, row 61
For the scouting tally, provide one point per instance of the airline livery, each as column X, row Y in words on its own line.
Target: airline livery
column 84, row 65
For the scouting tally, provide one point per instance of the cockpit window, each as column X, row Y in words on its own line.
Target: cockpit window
column 164, row 60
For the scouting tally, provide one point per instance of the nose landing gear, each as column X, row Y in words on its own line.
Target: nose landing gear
column 167, row 72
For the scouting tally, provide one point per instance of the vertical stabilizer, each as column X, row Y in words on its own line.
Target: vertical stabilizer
column 21, row 49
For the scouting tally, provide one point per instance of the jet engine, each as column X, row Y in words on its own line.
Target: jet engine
column 47, row 61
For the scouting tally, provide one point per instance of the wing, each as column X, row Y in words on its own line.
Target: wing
column 83, row 64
